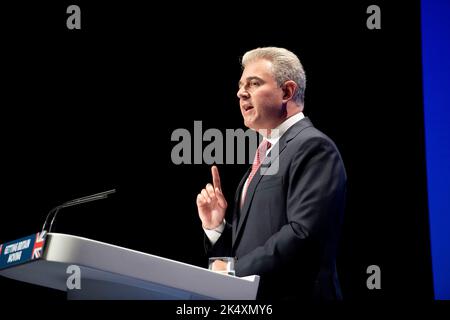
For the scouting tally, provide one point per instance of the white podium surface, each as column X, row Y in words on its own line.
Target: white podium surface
column 113, row 272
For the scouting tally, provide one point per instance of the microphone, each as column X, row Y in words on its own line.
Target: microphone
column 55, row 210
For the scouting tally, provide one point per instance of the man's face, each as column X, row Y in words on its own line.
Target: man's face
column 260, row 97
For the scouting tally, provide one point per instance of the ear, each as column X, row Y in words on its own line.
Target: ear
column 289, row 88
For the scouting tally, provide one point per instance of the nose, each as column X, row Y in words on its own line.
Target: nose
column 242, row 93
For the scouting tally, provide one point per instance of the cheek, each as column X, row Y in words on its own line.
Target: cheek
column 268, row 103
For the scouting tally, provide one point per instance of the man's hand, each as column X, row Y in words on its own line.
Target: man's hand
column 211, row 202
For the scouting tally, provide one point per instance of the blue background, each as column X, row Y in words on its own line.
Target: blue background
column 436, row 89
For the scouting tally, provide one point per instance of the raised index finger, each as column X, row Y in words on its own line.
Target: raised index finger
column 216, row 178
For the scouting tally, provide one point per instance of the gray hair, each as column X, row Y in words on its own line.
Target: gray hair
column 285, row 66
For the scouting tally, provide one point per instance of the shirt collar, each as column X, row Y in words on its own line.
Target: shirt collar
column 283, row 127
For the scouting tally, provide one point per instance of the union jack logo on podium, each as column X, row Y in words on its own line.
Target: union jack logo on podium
column 38, row 247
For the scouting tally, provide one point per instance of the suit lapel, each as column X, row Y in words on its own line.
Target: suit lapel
column 237, row 202
column 282, row 143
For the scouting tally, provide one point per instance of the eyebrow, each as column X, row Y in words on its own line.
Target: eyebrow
column 240, row 83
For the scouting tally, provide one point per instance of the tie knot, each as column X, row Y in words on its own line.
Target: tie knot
column 264, row 146
column 261, row 152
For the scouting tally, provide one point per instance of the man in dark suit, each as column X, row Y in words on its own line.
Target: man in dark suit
column 285, row 224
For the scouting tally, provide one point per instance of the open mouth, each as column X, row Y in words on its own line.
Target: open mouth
column 247, row 108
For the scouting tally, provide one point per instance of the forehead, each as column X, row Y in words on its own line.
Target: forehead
column 259, row 68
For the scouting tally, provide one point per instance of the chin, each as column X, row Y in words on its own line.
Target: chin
column 250, row 125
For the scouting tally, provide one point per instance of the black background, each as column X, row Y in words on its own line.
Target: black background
column 89, row 110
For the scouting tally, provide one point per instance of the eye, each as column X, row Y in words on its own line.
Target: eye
column 254, row 83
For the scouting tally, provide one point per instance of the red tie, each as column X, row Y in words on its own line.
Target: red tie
column 259, row 157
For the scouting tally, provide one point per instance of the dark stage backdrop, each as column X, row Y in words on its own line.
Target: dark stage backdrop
column 89, row 110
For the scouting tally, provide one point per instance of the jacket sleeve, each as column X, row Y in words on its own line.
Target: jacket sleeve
column 222, row 248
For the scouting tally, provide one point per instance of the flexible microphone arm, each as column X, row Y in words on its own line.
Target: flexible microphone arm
column 55, row 210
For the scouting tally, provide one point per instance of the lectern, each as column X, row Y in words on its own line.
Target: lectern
column 112, row 272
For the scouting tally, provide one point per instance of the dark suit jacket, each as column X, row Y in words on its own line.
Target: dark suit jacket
column 288, row 228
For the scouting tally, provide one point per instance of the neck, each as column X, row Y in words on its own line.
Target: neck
column 267, row 132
